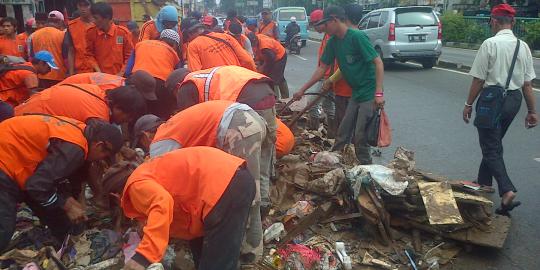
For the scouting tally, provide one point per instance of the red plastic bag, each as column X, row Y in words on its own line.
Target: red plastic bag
column 385, row 131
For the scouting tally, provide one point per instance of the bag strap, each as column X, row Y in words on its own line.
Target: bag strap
column 220, row 40
column 86, row 91
column 511, row 71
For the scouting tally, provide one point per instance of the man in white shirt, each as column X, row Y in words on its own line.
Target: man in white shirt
column 491, row 67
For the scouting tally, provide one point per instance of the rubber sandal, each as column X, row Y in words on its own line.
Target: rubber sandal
column 504, row 210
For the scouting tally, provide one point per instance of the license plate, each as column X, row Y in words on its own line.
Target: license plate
column 417, row 38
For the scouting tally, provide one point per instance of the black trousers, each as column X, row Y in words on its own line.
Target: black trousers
column 10, row 194
column 492, row 165
column 225, row 225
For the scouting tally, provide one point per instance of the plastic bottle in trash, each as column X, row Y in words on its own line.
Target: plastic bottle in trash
column 273, row 232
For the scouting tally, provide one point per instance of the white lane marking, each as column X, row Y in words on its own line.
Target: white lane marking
column 537, row 159
column 314, row 41
column 300, row 57
column 454, row 71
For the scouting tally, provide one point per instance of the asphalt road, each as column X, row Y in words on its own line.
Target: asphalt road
column 466, row 57
column 425, row 109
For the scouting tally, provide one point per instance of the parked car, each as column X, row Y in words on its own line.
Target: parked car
column 404, row 34
column 282, row 16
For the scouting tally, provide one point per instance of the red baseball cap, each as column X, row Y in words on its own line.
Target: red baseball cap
column 503, row 10
column 316, row 16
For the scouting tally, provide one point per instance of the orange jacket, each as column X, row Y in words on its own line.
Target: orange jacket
column 284, row 139
column 341, row 87
column 149, row 31
column 269, row 43
column 110, row 51
column 11, row 47
column 12, row 85
column 204, row 52
column 268, row 29
column 194, row 126
column 77, row 29
column 50, row 39
column 24, row 140
column 222, row 83
column 173, row 194
column 68, row 101
column 103, row 80
column 155, row 57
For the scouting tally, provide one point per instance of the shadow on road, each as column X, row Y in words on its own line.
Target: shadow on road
column 403, row 67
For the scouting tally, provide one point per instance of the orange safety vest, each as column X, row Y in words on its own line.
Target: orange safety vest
column 222, row 83
column 68, row 101
column 267, row 29
column 105, row 81
column 266, row 42
column 188, row 187
column 24, row 141
column 195, row 126
column 155, row 57
column 284, row 139
column 50, row 39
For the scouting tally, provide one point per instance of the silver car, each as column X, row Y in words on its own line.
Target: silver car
column 405, row 33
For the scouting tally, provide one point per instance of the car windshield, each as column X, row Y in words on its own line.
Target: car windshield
column 285, row 15
column 415, row 17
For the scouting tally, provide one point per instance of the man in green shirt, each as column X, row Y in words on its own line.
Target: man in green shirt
column 363, row 70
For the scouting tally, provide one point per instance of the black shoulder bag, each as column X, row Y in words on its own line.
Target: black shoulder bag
column 491, row 100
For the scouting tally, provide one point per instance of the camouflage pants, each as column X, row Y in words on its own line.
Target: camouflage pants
column 244, row 138
column 268, row 154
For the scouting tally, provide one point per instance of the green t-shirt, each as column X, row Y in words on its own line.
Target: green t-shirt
column 355, row 55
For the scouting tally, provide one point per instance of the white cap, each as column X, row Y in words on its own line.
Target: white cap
column 293, row 19
column 55, row 14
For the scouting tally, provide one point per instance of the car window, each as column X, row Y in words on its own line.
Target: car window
column 374, row 21
column 363, row 24
column 384, row 19
column 415, row 17
column 285, row 15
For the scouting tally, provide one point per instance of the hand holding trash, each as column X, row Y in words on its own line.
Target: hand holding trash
column 75, row 211
column 298, row 95
column 133, row 265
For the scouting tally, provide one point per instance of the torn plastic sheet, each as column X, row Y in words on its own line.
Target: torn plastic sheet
column 382, row 175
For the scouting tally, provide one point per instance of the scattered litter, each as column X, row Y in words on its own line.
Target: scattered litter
column 327, row 159
column 440, row 204
column 274, row 232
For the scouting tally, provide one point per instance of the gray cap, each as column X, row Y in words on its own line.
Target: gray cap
column 144, row 123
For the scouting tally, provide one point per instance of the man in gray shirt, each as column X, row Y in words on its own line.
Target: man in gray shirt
column 491, row 67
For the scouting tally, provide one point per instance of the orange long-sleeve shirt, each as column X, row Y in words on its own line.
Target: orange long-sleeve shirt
column 109, row 51
column 77, row 29
column 173, row 193
column 11, row 47
column 204, row 52
column 149, row 31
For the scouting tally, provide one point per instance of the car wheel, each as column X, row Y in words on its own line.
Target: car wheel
column 428, row 63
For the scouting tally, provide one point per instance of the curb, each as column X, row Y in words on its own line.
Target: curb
column 465, row 68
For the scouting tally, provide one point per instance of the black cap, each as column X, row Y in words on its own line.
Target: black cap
column 354, row 13
column 330, row 13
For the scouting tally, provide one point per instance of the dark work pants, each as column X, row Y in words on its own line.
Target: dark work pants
column 341, row 108
column 54, row 218
column 492, row 165
column 165, row 104
column 225, row 225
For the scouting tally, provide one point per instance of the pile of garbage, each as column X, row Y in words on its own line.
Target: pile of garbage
column 328, row 213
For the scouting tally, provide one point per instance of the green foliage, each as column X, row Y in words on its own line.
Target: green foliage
column 476, row 34
column 341, row 3
column 532, row 34
column 454, row 26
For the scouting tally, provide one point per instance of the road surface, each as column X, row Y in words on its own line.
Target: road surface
column 425, row 108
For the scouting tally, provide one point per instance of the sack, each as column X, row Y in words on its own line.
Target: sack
column 491, row 100
column 385, row 131
column 373, row 128
column 489, row 107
